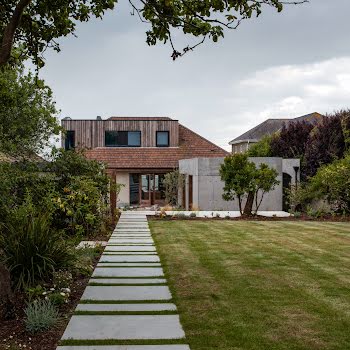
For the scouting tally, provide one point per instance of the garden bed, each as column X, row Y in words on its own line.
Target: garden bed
column 13, row 333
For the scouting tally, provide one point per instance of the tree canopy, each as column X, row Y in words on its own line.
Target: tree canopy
column 34, row 25
column 243, row 179
column 27, row 113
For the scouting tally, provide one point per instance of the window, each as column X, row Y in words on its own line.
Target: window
column 122, row 138
column 162, row 138
column 69, row 141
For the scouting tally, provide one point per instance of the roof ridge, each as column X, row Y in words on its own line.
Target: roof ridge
column 203, row 138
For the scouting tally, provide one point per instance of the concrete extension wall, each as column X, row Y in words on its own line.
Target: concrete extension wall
column 208, row 187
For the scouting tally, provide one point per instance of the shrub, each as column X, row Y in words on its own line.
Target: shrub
column 32, row 250
column 193, row 215
column 40, row 315
column 261, row 148
column 180, row 216
column 62, row 279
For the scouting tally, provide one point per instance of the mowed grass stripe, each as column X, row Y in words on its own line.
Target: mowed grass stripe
column 260, row 284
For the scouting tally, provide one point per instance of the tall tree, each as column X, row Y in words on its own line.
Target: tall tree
column 35, row 24
column 27, row 113
column 327, row 142
column 244, row 180
column 291, row 141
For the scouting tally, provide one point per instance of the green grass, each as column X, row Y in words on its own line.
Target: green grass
column 259, row 285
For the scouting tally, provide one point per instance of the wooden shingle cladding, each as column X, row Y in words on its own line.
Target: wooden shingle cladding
column 91, row 133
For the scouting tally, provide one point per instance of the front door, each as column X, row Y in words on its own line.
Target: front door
column 146, row 189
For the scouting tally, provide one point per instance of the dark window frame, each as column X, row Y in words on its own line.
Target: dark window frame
column 126, row 131
column 162, row 131
column 69, row 143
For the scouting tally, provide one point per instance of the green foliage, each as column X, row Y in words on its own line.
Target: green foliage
column 172, row 182
column 27, row 113
column 261, row 148
column 243, row 179
column 32, row 249
column 44, row 21
column 332, row 182
column 40, row 315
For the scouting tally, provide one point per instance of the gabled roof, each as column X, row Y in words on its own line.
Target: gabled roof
column 191, row 145
column 270, row 126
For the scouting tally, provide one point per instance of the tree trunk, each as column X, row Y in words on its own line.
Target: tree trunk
column 9, row 32
column 249, row 204
column 6, row 298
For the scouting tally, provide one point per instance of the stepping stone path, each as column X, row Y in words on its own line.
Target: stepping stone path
column 127, row 304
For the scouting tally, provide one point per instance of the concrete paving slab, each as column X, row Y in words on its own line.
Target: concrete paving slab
column 128, row 280
column 128, row 272
column 128, row 258
column 128, row 264
column 130, row 248
column 127, row 347
column 126, row 293
column 126, row 307
column 109, row 253
column 121, row 240
column 124, row 327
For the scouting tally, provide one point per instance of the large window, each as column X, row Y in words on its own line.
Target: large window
column 162, row 138
column 69, row 141
column 122, row 138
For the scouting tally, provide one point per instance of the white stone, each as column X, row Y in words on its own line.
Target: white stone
column 128, row 272
column 127, row 307
column 129, row 253
column 124, row 327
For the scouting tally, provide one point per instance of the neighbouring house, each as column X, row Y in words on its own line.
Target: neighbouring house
column 203, row 186
column 243, row 142
column 138, row 152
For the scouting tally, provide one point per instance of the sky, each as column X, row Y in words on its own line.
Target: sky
column 280, row 65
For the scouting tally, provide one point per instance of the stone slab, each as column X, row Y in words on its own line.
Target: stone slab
column 129, row 253
column 126, row 307
column 128, row 264
column 128, row 258
column 121, row 240
column 128, row 280
column 120, row 293
column 130, row 248
column 128, row 272
column 124, row 327
column 127, row 347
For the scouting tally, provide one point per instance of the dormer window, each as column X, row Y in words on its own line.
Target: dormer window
column 162, row 138
column 69, row 142
column 122, row 138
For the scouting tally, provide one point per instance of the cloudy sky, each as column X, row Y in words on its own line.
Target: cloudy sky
column 277, row 66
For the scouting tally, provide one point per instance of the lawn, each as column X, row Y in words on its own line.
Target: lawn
column 260, row 284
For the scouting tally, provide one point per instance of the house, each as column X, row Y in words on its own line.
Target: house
column 204, row 188
column 243, row 142
column 138, row 152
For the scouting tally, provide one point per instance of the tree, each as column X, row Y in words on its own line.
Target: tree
column 27, row 113
column 262, row 148
column 291, row 141
column 332, row 182
column 36, row 24
column 327, row 142
column 244, row 180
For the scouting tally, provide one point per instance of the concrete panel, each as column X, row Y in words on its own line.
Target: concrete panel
column 128, row 272
column 126, row 307
column 120, row 293
column 124, row 327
